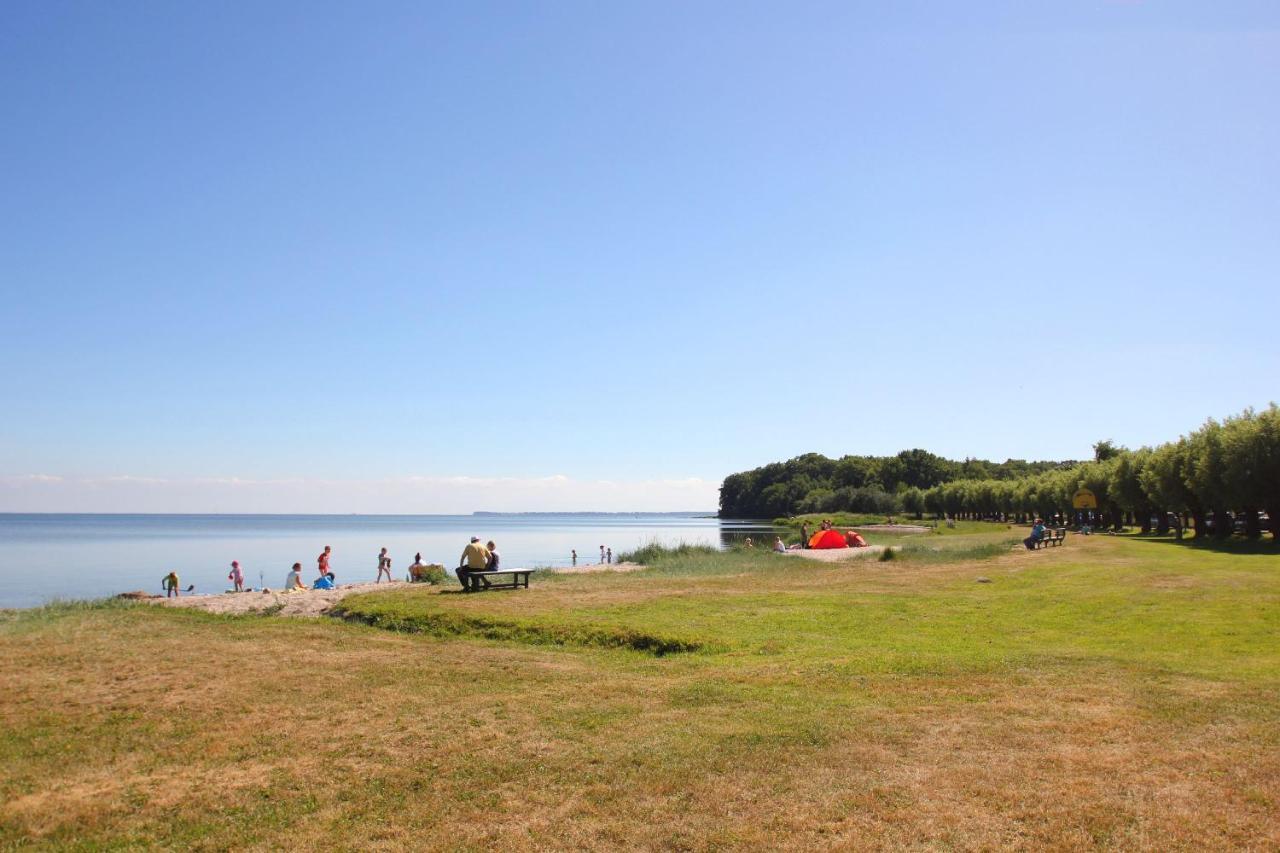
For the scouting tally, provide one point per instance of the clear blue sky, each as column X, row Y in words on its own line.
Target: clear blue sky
column 633, row 243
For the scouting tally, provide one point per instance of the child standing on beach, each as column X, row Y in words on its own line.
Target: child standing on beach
column 322, row 562
column 236, row 576
column 609, row 556
column 170, row 584
column 601, row 553
column 574, row 554
column 384, row 565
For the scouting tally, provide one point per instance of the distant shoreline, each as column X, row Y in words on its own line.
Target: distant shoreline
column 689, row 514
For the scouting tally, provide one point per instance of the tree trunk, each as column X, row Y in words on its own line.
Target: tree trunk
column 1202, row 528
column 1252, row 527
column 1162, row 522
column 1221, row 524
column 1144, row 515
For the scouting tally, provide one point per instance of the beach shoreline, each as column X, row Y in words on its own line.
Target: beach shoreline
column 312, row 603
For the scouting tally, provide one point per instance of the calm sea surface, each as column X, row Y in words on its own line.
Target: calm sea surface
column 43, row 557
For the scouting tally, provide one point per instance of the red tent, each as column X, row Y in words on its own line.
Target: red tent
column 828, row 539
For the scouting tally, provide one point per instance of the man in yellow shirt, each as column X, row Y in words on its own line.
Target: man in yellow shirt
column 475, row 557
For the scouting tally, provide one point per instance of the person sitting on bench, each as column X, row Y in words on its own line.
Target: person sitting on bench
column 1037, row 533
column 475, row 558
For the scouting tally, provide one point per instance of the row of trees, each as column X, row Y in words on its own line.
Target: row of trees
column 1221, row 476
column 816, row 483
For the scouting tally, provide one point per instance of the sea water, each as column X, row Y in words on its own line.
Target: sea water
column 45, row 556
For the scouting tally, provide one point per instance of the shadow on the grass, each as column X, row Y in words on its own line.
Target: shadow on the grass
column 1228, row 545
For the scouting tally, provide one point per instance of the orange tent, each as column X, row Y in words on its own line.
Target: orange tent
column 828, row 539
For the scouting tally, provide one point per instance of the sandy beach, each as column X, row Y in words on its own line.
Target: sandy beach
column 835, row 555
column 310, row 602
column 595, row 567
column 316, row 602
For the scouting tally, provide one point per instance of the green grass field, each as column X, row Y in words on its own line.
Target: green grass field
column 1114, row 693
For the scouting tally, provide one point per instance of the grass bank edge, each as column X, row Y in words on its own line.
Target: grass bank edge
column 415, row 614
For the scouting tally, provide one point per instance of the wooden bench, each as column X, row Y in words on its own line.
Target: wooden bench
column 1052, row 537
column 502, row 579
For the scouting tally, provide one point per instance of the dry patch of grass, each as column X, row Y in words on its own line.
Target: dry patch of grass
column 811, row 728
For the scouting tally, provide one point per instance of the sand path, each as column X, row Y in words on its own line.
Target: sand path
column 316, row 602
column 595, row 567
column 836, row 555
column 311, row 602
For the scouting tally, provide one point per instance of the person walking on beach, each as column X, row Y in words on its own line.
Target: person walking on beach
column 322, row 562
column 574, row 554
column 236, row 576
column 475, row 558
column 170, row 584
column 495, row 561
column 384, row 565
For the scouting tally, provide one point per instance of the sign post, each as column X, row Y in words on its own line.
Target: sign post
column 1083, row 500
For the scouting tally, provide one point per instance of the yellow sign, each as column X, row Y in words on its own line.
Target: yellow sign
column 1084, row 499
